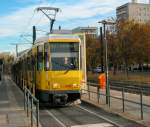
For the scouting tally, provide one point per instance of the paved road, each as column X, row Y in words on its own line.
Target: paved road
column 83, row 115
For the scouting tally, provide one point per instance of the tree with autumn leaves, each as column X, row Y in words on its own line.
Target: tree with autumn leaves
column 92, row 52
column 133, row 42
column 7, row 61
column 128, row 45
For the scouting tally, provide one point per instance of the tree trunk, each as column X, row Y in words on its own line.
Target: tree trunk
column 126, row 67
column 115, row 69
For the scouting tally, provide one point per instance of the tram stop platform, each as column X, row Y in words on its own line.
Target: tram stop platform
column 132, row 111
column 12, row 112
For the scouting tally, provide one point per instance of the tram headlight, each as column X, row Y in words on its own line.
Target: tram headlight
column 56, row 86
column 75, row 85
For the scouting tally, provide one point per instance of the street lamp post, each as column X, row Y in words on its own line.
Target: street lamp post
column 101, row 41
column 104, row 22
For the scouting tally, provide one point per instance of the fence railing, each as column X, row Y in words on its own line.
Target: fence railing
column 31, row 106
column 132, row 87
column 122, row 98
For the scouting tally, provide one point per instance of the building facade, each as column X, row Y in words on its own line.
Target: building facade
column 91, row 31
column 139, row 12
column 62, row 31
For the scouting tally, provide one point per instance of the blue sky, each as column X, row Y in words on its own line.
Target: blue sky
column 18, row 16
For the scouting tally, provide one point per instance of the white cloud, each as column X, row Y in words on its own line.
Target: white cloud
column 116, row 1
column 16, row 22
column 87, row 9
column 31, row 1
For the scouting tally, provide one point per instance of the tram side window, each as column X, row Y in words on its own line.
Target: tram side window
column 46, row 57
column 40, row 58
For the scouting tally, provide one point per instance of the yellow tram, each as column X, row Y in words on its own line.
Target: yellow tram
column 51, row 69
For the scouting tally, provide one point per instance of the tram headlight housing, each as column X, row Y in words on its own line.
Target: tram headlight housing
column 75, row 85
column 56, row 86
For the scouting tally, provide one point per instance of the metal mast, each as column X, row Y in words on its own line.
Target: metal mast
column 105, row 23
column 50, row 13
column 17, row 44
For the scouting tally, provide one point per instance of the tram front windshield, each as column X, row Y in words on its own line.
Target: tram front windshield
column 64, row 56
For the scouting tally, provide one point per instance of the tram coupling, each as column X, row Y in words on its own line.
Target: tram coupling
column 60, row 99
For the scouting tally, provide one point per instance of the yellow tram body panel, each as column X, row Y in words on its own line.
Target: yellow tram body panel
column 51, row 85
column 59, row 80
column 63, row 40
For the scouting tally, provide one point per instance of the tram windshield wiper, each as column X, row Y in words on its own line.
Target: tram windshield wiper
column 71, row 66
column 67, row 67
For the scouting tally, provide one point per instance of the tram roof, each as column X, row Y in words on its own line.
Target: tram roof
column 49, row 38
column 56, row 37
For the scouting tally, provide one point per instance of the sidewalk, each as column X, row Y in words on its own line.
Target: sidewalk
column 132, row 111
column 12, row 112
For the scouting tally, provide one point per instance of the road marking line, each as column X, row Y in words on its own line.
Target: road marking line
column 95, row 125
column 62, row 124
column 4, row 102
column 99, row 116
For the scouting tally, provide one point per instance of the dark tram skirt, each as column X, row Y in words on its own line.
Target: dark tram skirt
column 57, row 97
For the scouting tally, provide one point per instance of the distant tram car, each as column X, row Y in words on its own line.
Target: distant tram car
column 51, row 69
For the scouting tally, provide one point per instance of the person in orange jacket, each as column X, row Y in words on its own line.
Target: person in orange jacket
column 102, row 80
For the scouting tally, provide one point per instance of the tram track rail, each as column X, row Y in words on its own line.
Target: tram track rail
column 73, row 118
column 80, row 115
column 131, row 87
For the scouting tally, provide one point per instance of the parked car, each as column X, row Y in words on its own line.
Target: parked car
column 97, row 70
